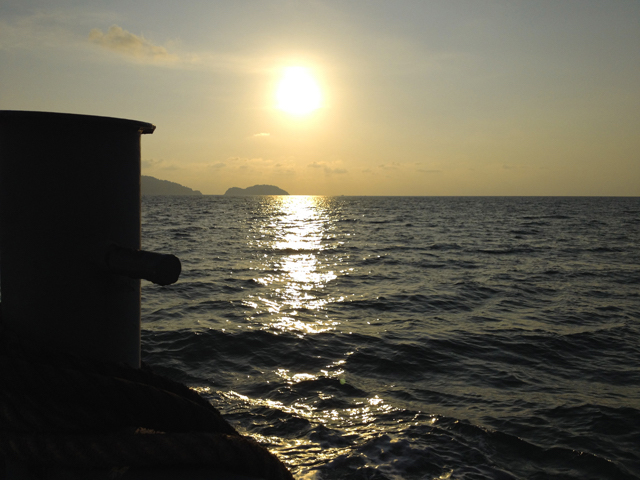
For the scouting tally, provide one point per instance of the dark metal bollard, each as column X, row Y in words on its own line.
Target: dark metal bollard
column 70, row 232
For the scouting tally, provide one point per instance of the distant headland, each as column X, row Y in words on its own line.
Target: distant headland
column 255, row 190
column 154, row 186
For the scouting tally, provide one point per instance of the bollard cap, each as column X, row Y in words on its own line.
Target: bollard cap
column 40, row 120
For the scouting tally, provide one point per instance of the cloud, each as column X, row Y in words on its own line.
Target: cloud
column 139, row 48
column 151, row 163
column 126, row 43
column 254, row 160
column 260, row 135
column 255, row 169
column 389, row 166
column 157, row 164
column 328, row 171
column 246, row 162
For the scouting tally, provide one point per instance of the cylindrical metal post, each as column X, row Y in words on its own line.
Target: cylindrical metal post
column 70, row 188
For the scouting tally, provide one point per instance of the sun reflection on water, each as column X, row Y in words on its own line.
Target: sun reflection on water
column 295, row 249
column 358, row 421
column 291, row 237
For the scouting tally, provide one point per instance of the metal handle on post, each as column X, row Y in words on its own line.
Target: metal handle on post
column 159, row 268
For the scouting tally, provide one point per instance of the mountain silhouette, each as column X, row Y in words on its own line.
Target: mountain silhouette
column 155, row 186
column 255, row 190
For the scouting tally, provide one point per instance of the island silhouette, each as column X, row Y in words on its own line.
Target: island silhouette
column 255, row 190
column 154, row 186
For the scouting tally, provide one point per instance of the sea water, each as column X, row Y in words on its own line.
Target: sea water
column 408, row 337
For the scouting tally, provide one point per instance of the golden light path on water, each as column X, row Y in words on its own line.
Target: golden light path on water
column 357, row 423
column 291, row 239
column 296, row 238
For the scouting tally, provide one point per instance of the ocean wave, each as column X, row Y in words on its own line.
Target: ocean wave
column 416, row 338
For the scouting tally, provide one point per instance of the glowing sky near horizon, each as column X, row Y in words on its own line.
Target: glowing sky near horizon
column 460, row 97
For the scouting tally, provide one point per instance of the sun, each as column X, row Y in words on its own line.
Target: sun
column 298, row 92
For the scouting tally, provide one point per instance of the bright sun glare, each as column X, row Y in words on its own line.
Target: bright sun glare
column 298, row 92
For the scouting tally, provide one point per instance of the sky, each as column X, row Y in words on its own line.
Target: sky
column 449, row 97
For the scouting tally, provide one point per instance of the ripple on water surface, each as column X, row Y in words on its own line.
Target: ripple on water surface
column 408, row 337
